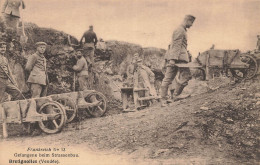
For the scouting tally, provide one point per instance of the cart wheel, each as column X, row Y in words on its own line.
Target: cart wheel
column 70, row 107
column 99, row 110
column 52, row 126
column 246, row 73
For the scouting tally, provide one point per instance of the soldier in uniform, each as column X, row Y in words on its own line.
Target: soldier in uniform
column 82, row 70
column 11, row 13
column 90, row 38
column 177, row 54
column 36, row 65
column 7, row 83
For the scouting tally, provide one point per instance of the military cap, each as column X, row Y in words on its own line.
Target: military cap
column 190, row 17
column 40, row 43
column 2, row 43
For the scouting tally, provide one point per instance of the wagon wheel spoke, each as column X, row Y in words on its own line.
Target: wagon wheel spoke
column 100, row 109
column 55, row 123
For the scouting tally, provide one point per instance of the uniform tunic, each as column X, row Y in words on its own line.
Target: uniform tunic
column 36, row 64
column 178, row 48
column 38, row 78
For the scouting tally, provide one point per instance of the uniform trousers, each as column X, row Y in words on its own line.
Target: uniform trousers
column 11, row 21
column 182, row 75
column 38, row 90
column 83, row 82
column 8, row 87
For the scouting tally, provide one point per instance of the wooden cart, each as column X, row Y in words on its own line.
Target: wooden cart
column 49, row 114
column 74, row 101
column 242, row 66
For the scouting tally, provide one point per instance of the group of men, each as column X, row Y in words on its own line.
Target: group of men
column 36, row 66
column 38, row 79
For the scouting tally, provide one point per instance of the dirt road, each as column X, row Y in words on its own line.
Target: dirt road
column 218, row 127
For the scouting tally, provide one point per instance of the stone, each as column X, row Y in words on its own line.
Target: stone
column 257, row 95
column 204, row 108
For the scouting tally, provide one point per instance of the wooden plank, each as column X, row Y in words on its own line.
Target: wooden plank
column 4, row 122
column 208, row 76
column 147, row 98
column 124, row 100
column 140, row 89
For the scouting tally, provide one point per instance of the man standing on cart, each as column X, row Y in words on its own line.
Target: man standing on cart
column 37, row 66
column 177, row 54
column 7, row 83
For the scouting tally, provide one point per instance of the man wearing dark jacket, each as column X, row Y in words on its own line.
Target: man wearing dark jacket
column 177, row 54
column 90, row 38
column 36, row 65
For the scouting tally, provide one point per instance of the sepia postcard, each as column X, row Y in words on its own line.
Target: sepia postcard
column 122, row 82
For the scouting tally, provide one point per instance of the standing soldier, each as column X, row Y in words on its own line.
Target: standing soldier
column 7, row 83
column 89, row 45
column 177, row 54
column 36, row 65
column 11, row 13
column 82, row 70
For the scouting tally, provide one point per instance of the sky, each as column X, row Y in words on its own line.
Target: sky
column 231, row 24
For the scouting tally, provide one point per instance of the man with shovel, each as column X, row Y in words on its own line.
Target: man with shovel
column 7, row 83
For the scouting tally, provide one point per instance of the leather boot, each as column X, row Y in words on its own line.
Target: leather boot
column 164, row 91
column 179, row 89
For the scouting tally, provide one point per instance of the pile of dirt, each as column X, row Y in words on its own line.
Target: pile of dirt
column 233, row 121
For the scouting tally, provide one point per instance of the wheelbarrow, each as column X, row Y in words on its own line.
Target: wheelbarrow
column 82, row 100
column 49, row 114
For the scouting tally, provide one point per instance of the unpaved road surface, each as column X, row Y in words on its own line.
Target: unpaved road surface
column 217, row 127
